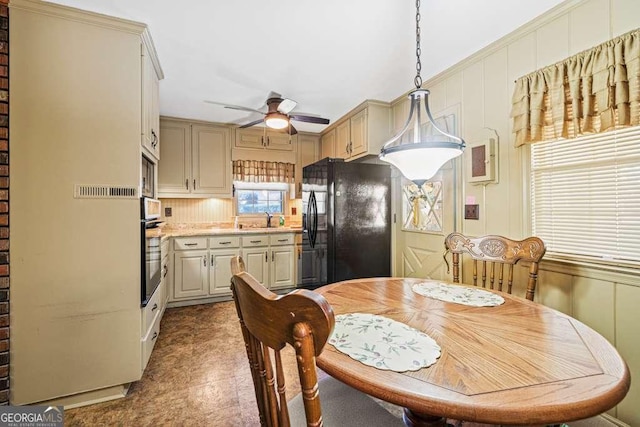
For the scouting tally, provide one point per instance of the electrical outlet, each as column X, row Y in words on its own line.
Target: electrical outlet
column 471, row 211
column 167, row 212
column 294, row 210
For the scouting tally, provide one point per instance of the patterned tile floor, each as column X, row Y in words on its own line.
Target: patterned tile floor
column 197, row 375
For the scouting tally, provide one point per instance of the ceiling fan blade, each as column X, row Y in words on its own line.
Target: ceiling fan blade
column 291, row 130
column 255, row 122
column 310, row 119
column 286, row 105
column 234, row 107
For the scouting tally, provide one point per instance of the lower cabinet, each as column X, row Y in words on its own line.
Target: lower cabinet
column 153, row 311
column 191, row 274
column 282, row 267
column 220, row 270
column 202, row 265
column 270, row 259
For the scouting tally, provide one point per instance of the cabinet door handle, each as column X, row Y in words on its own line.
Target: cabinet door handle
column 186, row 183
column 155, row 335
column 224, row 243
column 262, row 141
column 211, row 264
column 204, row 261
column 266, row 258
column 282, row 240
column 268, row 141
column 255, row 241
column 166, row 270
column 299, row 253
column 194, row 184
column 350, row 147
column 190, row 244
column 155, row 307
column 272, row 256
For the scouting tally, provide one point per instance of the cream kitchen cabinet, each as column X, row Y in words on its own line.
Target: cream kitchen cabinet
column 195, row 160
column 150, row 105
column 282, row 267
column 362, row 132
column 261, row 139
column 191, row 274
column 328, row 144
column 255, row 253
column 270, row 259
column 222, row 250
column 308, row 153
column 166, row 272
column 202, row 266
column 76, row 99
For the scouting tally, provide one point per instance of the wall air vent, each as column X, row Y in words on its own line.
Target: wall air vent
column 104, row 192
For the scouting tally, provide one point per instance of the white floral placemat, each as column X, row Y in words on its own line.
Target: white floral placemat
column 458, row 294
column 383, row 343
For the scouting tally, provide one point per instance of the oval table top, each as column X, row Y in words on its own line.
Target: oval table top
column 516, row 363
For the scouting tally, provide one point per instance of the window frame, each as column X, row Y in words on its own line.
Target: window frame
column 236, row 205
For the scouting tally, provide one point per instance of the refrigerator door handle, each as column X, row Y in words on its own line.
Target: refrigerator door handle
column 313, row 229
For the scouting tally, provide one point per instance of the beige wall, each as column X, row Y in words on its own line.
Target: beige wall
column 608, row 301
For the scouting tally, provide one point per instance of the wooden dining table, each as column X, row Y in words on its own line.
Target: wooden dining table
column 518, row 363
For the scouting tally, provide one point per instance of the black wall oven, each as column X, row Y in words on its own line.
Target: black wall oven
column 150, row 242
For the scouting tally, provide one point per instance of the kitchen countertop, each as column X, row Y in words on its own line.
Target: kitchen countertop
column 166, row 233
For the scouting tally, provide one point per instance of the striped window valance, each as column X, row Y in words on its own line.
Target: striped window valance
column 261, row 171
column 594, row 91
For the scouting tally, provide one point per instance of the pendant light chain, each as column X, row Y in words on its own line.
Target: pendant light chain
column 418, row 79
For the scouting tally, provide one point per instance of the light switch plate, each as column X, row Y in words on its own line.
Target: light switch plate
column 471, row 211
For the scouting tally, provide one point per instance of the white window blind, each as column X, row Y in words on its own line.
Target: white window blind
column 585, row 196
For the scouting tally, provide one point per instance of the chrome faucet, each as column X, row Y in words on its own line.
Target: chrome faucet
column 268, row 219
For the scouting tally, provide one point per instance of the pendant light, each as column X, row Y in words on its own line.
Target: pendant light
column 417, row 156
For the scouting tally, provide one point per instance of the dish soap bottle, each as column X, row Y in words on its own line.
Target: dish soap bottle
column 281, row 221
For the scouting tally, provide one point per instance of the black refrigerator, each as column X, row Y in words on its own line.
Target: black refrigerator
column 346, row 222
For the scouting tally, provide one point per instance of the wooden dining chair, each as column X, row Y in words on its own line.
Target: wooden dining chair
column 304, row 320
column 492, row 254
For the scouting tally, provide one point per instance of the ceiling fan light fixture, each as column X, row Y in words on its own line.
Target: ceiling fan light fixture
column 276, row 120
column 419, row 156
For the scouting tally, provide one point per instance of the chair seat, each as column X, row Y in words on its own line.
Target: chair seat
column 343, row 406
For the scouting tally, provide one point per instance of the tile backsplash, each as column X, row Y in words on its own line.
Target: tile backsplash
column 197, row 210
column 215, row 210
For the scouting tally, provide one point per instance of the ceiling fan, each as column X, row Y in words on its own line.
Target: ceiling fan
column 278, row 114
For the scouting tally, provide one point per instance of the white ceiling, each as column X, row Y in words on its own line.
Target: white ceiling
column 327, row 55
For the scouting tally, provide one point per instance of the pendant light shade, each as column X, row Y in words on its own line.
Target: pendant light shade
column 419, row 156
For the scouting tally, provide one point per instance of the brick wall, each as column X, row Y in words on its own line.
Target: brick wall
column 4, row 202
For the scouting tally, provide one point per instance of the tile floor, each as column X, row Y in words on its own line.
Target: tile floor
column 198, row 375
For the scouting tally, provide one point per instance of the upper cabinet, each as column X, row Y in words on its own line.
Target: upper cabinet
column 360, row 133
column 308, row 152
column 195, row 160
column 328, row 144
column 269, row 139
column 151, row 76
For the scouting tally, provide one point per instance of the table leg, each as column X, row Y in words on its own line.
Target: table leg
column 412, row 419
